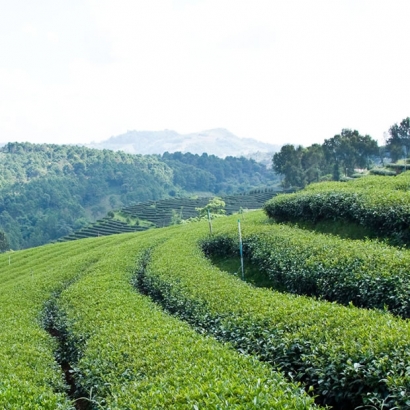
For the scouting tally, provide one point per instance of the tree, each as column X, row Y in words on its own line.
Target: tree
column 287, row 162
column 348, row 150
column 176, row 217
column 399, row 140
column 215, row 206
column 4, row 243
column 313, row 163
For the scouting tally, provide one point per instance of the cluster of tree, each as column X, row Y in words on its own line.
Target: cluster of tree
column 398, row 140
column 210, row 173
column 339, row 156
column 47, row 190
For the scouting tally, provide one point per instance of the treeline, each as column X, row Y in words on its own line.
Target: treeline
column 340, row 156
column 211, row 173
column 47, row 190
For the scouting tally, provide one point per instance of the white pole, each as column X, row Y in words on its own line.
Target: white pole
column 209, row 221
column 241, row 249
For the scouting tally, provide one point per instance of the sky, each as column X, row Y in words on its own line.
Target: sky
column 294, row 71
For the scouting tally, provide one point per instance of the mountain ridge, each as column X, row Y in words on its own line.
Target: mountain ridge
column 217, row 141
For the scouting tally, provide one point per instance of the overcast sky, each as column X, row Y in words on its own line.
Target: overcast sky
column 280, row 71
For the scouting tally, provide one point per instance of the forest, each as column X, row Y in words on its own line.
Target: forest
column 48, row 190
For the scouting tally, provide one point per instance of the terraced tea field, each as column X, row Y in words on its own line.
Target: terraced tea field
column 75, row 333
column 144, row 320
column 160, row 213
column 380, row 204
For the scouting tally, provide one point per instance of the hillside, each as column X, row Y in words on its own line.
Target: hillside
column 123, row 321
column 219, row 142
column 372, row 206
column 165, row 212
column 47, row 191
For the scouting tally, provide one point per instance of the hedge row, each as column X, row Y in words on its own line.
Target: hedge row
column 102, row 227
column 349, row 356
column 400, row 182
column 365, row 273
column 160, row 212
column 131, row 355
column 30, row 378
column 382, row 171
column 384, row 212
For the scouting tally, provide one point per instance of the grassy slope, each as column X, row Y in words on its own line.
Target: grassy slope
column 129, row 353
column 350, row 356
column 119, row 334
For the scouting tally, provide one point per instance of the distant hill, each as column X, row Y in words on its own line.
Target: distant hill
column 48, row 191
column 219, row 142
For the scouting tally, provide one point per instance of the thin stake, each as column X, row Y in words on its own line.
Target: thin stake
column 241, row 249
column 209, row 221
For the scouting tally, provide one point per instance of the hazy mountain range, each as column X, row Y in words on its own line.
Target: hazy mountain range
column 219, row 142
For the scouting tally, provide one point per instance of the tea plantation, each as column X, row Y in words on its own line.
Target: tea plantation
column 157, row 214
column 379, row 203
column 144, row 320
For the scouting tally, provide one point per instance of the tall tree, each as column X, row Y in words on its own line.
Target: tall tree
column 348, row 150
column 4, row 243
column 287, row 162
column 313, row 163
column 398, row 142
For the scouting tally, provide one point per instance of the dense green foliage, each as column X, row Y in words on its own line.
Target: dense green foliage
column 398, row 141
column 350, row 356
column 337, row 156
column 364, row 273
column 4, row 243
column 209, row 173
column 164, row 212
column 121, row 350
column 29, row 376
column 77, row 304
column 381, row 204
column 215, row 207
column 48, row 191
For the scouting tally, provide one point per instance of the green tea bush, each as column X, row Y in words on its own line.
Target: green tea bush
column 350, row 357
column 384, row 209
column 382, row 171
column 400, row 182
column 134, row 356
column 30, row 378
column 365, row 273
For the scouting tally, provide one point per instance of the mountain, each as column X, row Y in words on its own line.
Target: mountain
column 218, row 141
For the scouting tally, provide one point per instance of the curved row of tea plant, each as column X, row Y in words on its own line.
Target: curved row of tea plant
column 386, row 212
column 30, row 378
column 400, row 183
column 351, row 357
column 365, row 273
column 131, row 355
column 160, row 212
column 102, row 227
